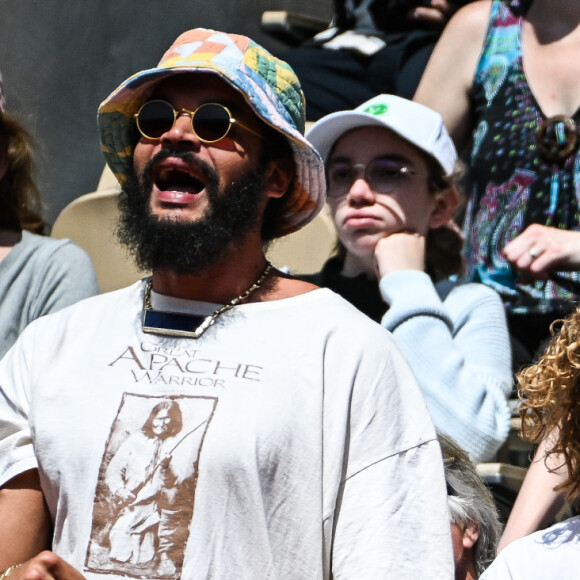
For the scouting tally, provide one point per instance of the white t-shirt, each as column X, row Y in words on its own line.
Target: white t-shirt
column 287, row 442
column 550, row 553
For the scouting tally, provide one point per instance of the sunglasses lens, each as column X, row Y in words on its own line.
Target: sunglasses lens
column 211, row 122
column 155, row 118
column 384, row 175
column 340, row 176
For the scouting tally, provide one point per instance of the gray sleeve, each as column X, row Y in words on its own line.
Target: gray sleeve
column 67, row 277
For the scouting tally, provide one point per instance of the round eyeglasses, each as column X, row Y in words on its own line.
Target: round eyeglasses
column 382, row 175
column 210, row 122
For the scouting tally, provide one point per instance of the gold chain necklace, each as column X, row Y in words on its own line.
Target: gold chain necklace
column 189, row 325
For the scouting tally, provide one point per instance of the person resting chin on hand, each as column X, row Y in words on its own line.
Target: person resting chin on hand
column 392, row 191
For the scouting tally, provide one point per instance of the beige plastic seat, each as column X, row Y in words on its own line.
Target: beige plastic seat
column 90, row 221
column 305, row 251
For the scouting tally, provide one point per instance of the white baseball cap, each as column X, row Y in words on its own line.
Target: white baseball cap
column 412, row 121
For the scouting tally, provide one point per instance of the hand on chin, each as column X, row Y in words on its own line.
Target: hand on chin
column 400, row 251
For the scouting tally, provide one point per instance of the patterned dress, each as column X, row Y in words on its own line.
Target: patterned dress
column 519, row 173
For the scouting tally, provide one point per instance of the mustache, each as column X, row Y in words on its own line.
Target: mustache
column 208, row 172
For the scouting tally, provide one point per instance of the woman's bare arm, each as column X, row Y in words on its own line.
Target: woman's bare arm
column 446, row 82
column 537, row 502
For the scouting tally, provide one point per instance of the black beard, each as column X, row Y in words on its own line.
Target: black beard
column 187, row 247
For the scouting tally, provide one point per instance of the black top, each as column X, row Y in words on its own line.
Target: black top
column 360, row 291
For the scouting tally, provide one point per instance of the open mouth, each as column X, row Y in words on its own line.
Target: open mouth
column 179, row 180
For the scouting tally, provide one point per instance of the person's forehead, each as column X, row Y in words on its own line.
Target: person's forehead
column 190, row 90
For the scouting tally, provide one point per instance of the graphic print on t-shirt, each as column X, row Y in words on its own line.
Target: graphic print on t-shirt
column 146, row 489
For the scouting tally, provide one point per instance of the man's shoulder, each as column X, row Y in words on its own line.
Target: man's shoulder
column 290, row 286
column 326, row 311
column 325, row 300
column 331, row 313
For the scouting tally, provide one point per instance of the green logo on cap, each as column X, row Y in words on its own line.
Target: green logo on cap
column 377, row 109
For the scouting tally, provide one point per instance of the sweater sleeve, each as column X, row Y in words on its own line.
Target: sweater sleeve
column 67, row 277
column 459, row 350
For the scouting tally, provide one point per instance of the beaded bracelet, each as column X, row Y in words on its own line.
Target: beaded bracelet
column 9, row 570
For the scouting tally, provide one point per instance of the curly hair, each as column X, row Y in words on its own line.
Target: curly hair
column 20, row 203
column 550, row 394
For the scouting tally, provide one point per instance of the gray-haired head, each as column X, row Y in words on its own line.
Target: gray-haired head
column 470, row 501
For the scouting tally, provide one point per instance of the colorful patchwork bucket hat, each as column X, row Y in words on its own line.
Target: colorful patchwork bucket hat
column 268, row 85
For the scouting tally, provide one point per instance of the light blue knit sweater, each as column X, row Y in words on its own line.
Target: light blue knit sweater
column 455, row 339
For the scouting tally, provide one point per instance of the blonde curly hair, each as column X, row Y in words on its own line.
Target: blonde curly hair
column 550, row 395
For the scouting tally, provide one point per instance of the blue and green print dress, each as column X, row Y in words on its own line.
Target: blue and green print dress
column 524, row 169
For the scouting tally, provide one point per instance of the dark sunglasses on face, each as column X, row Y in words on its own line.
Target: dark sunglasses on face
column 210, row 121
column 382, row 174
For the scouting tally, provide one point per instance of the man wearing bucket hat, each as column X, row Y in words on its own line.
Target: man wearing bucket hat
column 392, row 190
column 296, row 458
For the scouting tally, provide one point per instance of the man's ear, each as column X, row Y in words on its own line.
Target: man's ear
column 446, row 204
column 279, row 174
column 470, row 535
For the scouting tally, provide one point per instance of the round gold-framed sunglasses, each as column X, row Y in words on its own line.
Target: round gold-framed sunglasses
column 210, row 122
